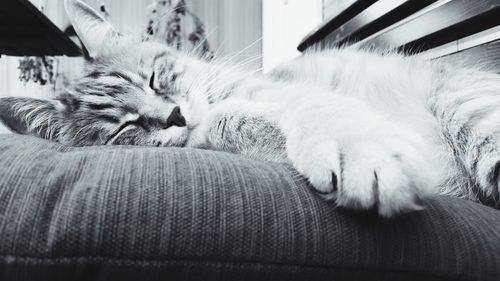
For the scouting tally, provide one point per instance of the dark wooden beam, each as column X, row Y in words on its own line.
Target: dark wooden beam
column 25, row 31
column 486, row 56
column 334, row 22
column 376, row 17
column 445, row 23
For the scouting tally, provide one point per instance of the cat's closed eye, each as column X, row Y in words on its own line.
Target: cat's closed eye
column 173, row 77
column 125, row 126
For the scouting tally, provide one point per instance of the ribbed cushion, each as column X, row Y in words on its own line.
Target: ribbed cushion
column 134, row 213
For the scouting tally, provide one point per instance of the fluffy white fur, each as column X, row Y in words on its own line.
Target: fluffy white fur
column 382, row 126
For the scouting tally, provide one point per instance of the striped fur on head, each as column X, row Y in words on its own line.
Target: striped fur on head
column 131, row 93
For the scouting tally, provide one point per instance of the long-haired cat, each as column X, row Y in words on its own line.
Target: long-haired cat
column 369, row 130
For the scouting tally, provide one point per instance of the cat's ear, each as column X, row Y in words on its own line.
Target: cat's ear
column 97, row 35
column 30, row 116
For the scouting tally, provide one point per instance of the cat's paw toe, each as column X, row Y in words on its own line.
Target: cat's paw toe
column 321, row 166
column 367, row 176
column 376, row 180
column 495, row 191
column 486, row 172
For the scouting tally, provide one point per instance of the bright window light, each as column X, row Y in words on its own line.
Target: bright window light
column 285, row 24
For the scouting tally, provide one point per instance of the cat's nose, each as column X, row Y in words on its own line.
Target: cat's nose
column 176, row 118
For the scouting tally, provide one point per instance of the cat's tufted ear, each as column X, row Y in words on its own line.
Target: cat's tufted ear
column 30, row 116
column 97, row 34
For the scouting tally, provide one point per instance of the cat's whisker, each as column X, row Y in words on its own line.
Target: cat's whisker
column 231, row 75
column 218, row 51
column 232, row 56
column 234, row 78
column 229, row 68
column 230, row 61
column 249, row 46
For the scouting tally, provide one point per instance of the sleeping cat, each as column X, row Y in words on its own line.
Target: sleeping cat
column 367, row 129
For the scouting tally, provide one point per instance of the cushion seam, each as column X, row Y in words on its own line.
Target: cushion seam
column 122, row 261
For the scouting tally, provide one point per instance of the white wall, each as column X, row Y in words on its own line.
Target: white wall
column 285, row 24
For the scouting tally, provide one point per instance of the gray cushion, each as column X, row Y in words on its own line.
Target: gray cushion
column 134, row 213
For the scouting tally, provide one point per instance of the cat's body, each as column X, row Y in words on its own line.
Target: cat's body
column 367, row 129
column 405, row 93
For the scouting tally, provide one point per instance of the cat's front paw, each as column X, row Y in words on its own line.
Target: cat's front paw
column 389, row 176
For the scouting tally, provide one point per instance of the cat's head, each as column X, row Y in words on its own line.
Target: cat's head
column 138, row 93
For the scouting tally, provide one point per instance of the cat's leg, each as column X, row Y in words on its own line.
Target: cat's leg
column 355, row 155
column 347, row 151
column 467, row 106
column 243, row 127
